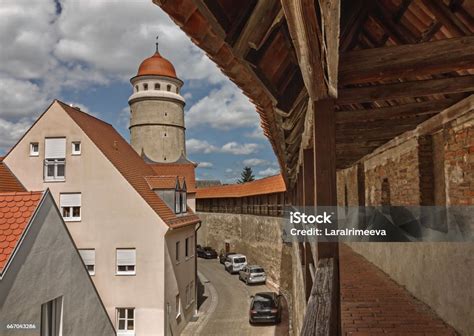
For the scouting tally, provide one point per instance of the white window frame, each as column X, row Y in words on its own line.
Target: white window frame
column 184, row 200
column 33, row 152
column 56, row 163
column 131, row 268
column 177, row 202
column 73, row 149
column 126, row 331
column 178, row 306
column 89, row 262
column 71, row 206
column 51, row 311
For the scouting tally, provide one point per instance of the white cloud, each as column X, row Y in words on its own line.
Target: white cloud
column 229, row 170
column 239, row 149
column 256, row 162
column 203, row 146
column 224, row 108
column 268, row 172
column 257, row 133
column 205, row 165
column 200, row 146
column 11, row 132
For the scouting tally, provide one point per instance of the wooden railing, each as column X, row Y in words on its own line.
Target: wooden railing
column 321, row 318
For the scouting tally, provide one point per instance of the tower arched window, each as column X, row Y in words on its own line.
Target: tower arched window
column 136, row 88
column 385, row 199
column 177, row 90
column 168, row 87
column 145, row 86
column 157, row 86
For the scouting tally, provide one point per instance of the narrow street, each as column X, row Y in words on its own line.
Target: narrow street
column 228, row 307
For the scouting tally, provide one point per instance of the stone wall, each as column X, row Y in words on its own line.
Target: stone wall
column 431, row 168
column 259, row 238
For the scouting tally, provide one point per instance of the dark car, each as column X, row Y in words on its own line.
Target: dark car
column 223, row 256
column 206, row 252
column 265, row 308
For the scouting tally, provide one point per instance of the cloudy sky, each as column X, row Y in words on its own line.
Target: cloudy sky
column 84, row 53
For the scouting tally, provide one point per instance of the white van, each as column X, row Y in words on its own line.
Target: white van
column 235, row 262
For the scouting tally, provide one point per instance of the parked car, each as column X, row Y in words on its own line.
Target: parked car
column 252, row 274
column 235, row 262
column 206, row 252
column 265, row 307
column 223, row 256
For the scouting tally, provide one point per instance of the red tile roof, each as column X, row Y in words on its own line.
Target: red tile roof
column 181, row 169
column 8, row 181
column 132, row 167
column 16, row 210
column 267, row 185
column 162, row 182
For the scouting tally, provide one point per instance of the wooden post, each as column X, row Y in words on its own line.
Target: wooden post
column 324, row 128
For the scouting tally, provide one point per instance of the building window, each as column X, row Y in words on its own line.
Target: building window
column 177, row 90
column 168, row 87
column 51, row 317
column 126, row 261
column 76, row 148
column 177, row 251
column 183, row 201
column 71, row 206
column 177, row 198
column 88, row 257
column 55, row 159
column 385, row 197
column 125, row 321
column 157, row 86
column 145, row 86
column 186, row 247
column 34, row 149
column 136, row 88
column 178, row 306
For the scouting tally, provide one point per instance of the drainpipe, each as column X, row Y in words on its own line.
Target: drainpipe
column 196, row 269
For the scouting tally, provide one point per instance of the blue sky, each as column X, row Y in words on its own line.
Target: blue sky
column 84, row 52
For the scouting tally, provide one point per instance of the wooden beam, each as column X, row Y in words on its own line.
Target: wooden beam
column 317, row 53
column 446, row 17
column 394, row 62
column 257, row 26
column 392, row 112
column 387, row 21
column 406, row 89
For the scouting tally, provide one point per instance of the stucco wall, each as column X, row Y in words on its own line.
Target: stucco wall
column 113, row 215
column 46, row 267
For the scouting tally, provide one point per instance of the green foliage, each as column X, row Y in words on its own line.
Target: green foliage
column 246, row 175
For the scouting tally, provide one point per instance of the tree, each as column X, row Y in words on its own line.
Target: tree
column 246, row 175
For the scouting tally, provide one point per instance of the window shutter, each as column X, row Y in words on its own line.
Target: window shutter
column 88, row 256
column 126, row 257
column 70, row 200
column 55, row 148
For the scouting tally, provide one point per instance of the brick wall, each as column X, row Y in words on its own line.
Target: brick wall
column 459, row 162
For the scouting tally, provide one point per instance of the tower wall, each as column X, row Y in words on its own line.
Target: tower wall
column 157, row 119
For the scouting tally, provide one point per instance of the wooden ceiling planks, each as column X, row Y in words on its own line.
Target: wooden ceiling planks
column 380, row 94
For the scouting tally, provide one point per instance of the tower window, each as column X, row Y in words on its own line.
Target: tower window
column 157, row 86
column 165, row 134
column 168, row 87
column 136, row 88
column 177, row 90
column 145, row 86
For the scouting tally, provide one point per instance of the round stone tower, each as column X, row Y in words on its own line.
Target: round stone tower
column 157, row 111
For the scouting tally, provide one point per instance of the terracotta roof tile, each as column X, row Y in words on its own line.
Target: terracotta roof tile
column 132, row 167
column 16, row 210
column 267, row 185
column 162, row 182
column 8, row 181
column 181, row 169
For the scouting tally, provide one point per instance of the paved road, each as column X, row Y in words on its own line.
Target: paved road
column 230, row 315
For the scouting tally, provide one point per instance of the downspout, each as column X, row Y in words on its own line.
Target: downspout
column 195, row 269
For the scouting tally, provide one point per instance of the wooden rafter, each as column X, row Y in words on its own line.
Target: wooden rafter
column 316, row 41
column 406, row 89
column 393, row 112
column 394, row 62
